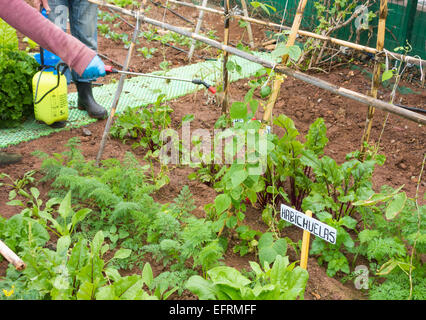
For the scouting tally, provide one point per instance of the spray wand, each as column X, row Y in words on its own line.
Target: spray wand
column 110, row 69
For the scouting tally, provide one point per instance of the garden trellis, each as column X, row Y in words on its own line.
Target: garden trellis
column 410, row 115
column 337, row 41
column 406, row 21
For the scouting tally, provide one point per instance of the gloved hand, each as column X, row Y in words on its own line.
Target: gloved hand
column 95, row 69
column 42, row 3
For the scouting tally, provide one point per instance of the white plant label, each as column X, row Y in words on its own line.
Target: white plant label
column 311, row 225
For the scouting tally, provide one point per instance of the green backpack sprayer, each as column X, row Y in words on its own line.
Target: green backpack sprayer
column 50, row 89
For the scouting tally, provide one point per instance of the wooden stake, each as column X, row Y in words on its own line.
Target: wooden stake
column 120, row 84
column 279, row 79
column 249, row 31
column 305, row 245
column 334, row 89
column 295, row 27
column 197, row 30
column 10, row 256
column 376, row 74
column 290, row 42
column 269, row 42
column 225, row 100
column 304, row 33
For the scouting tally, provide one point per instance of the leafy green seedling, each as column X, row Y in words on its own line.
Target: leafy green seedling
column 68, row 218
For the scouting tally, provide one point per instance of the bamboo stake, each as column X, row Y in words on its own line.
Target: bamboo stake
column 269, row 42
column 376, row 74
column 305, row 245
column 290, row 42
column 10, row 256
column 410, row 59
column 120, row 84
column 197, row 30
column 279, row 79
column 225, row 100
column 295, row 27
column 356, row 96
column 249, row 30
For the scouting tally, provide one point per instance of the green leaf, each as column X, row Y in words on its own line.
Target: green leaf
column 122, row 253
column 61, row 282
column 267, row 254
column 8, row 36
column 316, row 139
column 282, row 49
column 147, row 275
column 256, row 268
column 287, row 124
column 35, row 192
column 349, row 222
column 65, row 208
column 188, row 118
column 97, row 242
column 79, row 256
column 39, row 233
column 123, row 234
column 112, row 274
column 280, row 246
column 387, row 267
column 367, row 235
column 86, row 291
column 238, row 110
column 387, row 75
column 202, row 288
column 15, row 203
column 129, row 288
column 238, row 177
column 113, row 238
column 270, row 249
column 12, row 194
column 106, row 293
column 294, row 52
column 222, row 203
column 314, row 202
column 266, row 240
column 230, row 66
column 264, row 6
column 79, row 216
column 228, row 276
column 377, row 197
column 396, row 205
column 63, row 244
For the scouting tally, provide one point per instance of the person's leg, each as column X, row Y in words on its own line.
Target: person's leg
column 83, row 23
column 59, row 13
column 59, row 16
column 83, row 17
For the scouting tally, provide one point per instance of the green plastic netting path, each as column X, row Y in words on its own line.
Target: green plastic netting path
column 137, row 91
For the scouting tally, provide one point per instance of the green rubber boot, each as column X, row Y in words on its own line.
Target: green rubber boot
column 9, row 158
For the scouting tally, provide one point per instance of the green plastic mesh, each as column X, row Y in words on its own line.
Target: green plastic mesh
column 137, row 91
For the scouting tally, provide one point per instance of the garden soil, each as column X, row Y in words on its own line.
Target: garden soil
column 403, row 141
